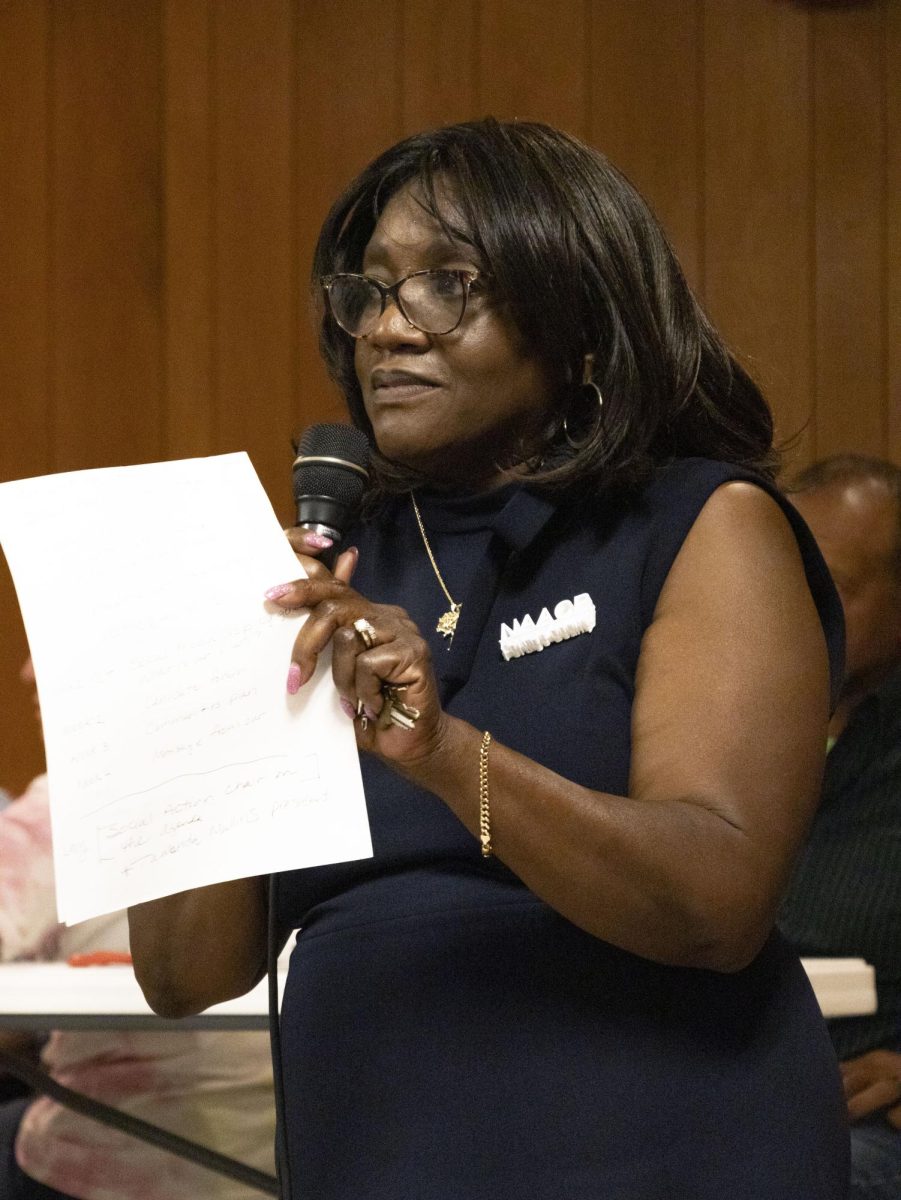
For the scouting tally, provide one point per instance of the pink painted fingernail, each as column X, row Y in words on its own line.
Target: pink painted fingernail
column 276, row 593
column 373, row 716
column 348, row 709
column 295, row 679
column 319, row 541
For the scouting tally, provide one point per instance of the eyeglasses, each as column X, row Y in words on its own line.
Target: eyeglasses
column 431, row 301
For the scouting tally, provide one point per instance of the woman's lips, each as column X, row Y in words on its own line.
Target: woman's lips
column 402, row 391
column 400, row 385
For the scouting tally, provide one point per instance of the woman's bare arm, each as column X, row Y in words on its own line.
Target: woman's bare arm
column 200, row 947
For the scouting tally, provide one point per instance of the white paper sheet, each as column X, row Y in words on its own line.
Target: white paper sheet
column 175, row 756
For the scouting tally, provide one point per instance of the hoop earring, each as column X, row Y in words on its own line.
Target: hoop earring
column 580, row 445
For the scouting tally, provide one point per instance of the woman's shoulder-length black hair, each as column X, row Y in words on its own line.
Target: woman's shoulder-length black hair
column 583, row 268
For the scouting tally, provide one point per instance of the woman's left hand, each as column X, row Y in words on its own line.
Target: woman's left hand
column 398, row 658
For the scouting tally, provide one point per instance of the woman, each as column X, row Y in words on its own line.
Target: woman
column 556, row 977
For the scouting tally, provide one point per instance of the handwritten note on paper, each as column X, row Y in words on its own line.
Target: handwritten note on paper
column 175, row 756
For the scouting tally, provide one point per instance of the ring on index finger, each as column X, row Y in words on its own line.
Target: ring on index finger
column 366, row 632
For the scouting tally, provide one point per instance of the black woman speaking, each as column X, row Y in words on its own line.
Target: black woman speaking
column 589, row 654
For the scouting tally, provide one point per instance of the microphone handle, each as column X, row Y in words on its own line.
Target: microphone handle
column 328, row 516
column 321, row 527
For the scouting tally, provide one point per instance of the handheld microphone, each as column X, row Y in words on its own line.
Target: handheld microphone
column 331, row 471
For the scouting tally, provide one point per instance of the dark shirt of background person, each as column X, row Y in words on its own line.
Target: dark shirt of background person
column 844, row 899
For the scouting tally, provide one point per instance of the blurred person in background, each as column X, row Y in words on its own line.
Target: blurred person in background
column 214, row 1088
column 845, row 896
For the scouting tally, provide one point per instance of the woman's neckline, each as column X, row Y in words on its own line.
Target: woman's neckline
column 451, row 512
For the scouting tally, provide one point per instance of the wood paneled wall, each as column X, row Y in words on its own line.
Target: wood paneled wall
column 166, row 164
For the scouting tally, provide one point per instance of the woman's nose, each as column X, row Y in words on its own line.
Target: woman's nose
column 393, row 329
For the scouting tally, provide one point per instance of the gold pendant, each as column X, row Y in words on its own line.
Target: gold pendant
column 447, row 622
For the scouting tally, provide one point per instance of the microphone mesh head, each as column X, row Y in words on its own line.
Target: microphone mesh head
column 345, row 443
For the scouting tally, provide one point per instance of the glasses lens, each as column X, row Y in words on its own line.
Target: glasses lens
column 355, row 303
column 433, row 301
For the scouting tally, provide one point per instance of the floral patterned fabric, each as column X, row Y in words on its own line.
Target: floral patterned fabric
column 213, row 1088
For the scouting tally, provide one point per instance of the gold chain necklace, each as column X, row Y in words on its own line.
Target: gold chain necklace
column 447, row 622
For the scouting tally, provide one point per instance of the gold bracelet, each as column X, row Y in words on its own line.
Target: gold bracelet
column 484, row 810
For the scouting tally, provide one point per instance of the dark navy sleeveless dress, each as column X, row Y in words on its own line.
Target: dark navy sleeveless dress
column 448, row 1036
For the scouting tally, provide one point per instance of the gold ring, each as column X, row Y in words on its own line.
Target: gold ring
column 366, row 632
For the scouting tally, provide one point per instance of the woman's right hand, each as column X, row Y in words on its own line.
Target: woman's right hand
column 372, row 667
